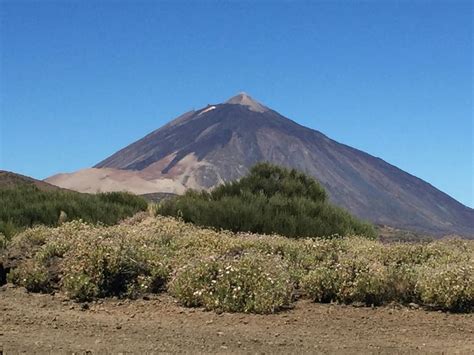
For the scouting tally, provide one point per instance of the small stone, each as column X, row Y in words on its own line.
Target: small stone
column 413, row 305
column 84, row 306
column 118, row 326
column 220, row 333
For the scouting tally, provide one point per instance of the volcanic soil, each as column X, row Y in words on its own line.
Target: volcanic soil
column 34, row 323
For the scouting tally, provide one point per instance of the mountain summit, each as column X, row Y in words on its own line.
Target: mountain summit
column 245, row 100
column 201, row 149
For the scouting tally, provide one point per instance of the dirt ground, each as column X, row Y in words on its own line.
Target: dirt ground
column 34, row 323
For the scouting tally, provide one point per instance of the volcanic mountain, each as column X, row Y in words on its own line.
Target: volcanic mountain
column 218, row 143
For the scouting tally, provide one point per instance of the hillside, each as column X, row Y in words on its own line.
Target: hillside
column 9, row 179
column 204, row 148
column 26, row 202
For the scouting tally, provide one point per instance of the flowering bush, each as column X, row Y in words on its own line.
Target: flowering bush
column 253, row 282
column 238, row 272
column 31, row 275
column 321, row 284
column 447, row 286
column 114, row 263
column 358, row 281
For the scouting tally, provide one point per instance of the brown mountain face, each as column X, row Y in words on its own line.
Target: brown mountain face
column 204, row 148
column 9, row 180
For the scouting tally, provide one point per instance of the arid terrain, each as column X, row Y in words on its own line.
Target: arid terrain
column 33, row 323
column 236, row 177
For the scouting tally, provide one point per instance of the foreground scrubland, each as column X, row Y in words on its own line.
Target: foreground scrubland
column 242, row 272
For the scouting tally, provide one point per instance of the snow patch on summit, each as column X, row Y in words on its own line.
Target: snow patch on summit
column 207, row 110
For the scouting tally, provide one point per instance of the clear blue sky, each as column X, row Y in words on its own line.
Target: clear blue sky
column 82, row 79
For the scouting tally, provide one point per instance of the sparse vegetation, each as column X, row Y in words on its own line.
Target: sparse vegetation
column 270, row 199
column 239, row 272
column 26, row 205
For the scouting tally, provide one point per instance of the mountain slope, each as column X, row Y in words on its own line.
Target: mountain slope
column 203, row 148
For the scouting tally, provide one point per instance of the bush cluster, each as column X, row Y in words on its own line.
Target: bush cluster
column 270, row 199
column 26, row 205
column 449, row 286
column 33, row 276
column 239, row 272
column 254, row 282
column 93, row 261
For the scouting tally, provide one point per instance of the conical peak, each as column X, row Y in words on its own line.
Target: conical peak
column 244, row 99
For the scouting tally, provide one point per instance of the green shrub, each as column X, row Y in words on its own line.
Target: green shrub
column 269, row 200
column 254, row 283
column 3, row 241
column 26, row 206
column 8, row 228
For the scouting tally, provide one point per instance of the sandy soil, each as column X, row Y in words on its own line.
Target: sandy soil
column 94, row 180
column 35, row 323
